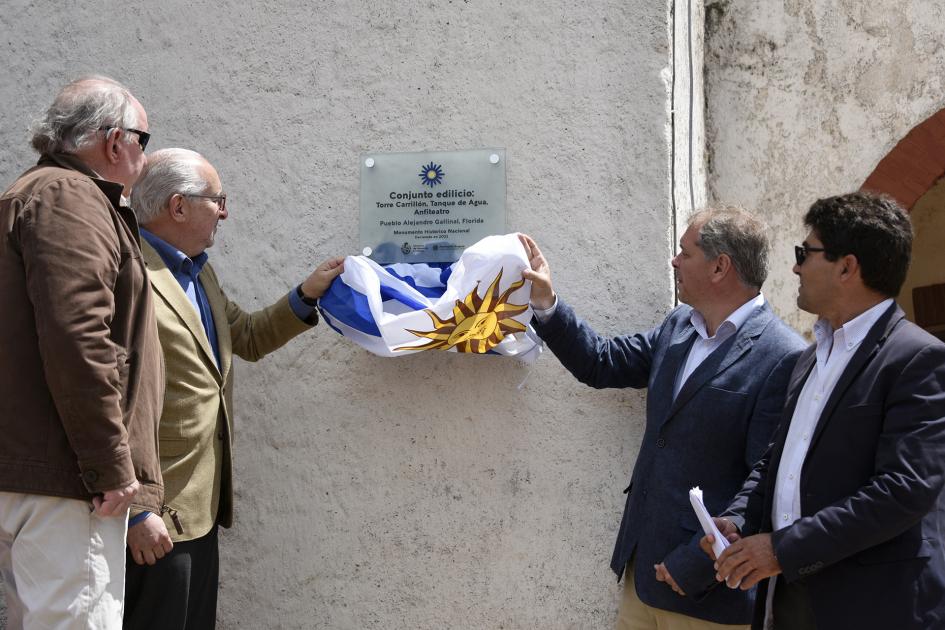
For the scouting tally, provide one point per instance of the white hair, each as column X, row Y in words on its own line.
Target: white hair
column 79, row 111
column 168, row 172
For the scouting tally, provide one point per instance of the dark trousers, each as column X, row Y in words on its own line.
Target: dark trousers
column 179, row 592
column 791, row 607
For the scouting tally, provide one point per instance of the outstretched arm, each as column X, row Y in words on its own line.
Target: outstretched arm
column 318, row 281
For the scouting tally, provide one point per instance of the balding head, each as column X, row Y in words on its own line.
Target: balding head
column 179, row 198
column 80, row 110
column 169, row 172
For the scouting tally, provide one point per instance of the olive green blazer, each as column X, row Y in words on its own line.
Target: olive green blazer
column 196, row 429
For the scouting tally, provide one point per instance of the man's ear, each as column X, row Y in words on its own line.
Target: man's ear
column 723, row 265
column 175, row 208
column 113, row 145
column 849, row 267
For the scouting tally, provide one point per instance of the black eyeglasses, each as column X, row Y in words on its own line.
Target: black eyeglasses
column 220, row 199
column 143, row 136
column 801, row 252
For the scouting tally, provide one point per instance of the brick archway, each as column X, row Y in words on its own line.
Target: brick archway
column 914, row 165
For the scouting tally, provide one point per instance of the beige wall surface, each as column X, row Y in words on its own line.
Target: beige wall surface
column 805, row 97
column 433, row 491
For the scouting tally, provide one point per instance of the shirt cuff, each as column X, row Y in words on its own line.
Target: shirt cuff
column 306, row 312
column 544, row 314
column 137, row 518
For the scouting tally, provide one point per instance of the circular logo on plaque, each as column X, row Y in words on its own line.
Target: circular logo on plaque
column 431, row 174
column 405, row 248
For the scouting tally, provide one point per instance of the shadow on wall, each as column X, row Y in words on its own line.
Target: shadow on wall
column 913, row 173
column 923, row 294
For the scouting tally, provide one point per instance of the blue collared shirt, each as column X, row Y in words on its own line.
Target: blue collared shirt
column 186, row 271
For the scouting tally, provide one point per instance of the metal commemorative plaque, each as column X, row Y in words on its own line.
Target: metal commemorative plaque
column 431, row 205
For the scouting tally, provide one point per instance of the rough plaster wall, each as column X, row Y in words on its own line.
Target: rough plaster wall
column 429, row 491
column 804, row 97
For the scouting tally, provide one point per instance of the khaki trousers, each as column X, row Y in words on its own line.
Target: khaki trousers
column 635, row 615
column 63, row 566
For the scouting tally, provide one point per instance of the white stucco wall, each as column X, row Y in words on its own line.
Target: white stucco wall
column 805, row 97
column 434, row 491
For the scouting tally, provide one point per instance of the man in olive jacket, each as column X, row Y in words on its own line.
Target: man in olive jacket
column 81, row 363
column 173, row 561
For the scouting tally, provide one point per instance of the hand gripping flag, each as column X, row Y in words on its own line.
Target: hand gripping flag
column 478, row 304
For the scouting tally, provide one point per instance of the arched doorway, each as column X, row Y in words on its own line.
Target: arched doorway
column 913, row 173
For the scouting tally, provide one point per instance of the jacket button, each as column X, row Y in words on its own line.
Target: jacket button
column 660, row 443
column 90, row 476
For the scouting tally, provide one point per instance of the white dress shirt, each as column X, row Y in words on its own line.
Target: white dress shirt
column 704, row 345
column 834, row 350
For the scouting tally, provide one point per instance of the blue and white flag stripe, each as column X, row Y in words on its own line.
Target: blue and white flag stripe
column 403, row 308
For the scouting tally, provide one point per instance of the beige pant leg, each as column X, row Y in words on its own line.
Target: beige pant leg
column 64, row 565
column 635, row 615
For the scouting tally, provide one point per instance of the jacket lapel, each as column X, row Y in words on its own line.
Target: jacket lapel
column 805, row 363
column 166, row 285
column 723, row 357
column 798, row 377
column 873, row 341
column 218, row 309
column 673, row 360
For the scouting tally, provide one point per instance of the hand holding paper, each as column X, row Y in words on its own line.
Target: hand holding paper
column 720, row 542
column 708, row 525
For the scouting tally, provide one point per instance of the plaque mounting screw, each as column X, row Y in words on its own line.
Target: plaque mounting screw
column 370, row 164
column 494, row 158
column 367, row 250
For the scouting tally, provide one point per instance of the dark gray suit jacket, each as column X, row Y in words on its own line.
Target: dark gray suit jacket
column 868, row 546
column 710, row 436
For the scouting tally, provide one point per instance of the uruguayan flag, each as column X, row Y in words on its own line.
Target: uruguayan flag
column 478, row 304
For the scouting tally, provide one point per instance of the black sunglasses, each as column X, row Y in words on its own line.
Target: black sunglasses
column 801, row 252
column 143, row 136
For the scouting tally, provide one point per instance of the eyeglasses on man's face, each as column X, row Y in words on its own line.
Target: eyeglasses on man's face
column 143, row 136
column 220, row 199
column 801, row 252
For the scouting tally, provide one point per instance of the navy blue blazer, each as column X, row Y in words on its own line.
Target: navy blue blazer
column 868, row 545
column 710, row 436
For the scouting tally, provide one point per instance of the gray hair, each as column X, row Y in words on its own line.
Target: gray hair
column 734, row 231
column 168, row 172
column 78, row 112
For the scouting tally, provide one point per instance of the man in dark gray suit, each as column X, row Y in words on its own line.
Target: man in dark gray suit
column 716, row 371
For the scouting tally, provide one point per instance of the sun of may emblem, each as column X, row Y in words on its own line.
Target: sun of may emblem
column 478, row 323
column 431, row 174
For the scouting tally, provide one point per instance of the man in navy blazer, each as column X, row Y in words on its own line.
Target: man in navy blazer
column 841, row 522
column 716, row 371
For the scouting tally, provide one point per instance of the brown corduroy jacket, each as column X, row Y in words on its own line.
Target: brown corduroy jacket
column 80, row 360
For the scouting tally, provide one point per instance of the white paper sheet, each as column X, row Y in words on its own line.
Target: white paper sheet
column 708, row 525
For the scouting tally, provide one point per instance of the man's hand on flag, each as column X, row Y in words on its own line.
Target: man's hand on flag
column 318, row 282
column 543, row 294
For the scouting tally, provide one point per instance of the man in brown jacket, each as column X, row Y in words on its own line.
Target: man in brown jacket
column 81, row 364
column 173, row 561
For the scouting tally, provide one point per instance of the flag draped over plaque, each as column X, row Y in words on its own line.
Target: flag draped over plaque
column 478, row 304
